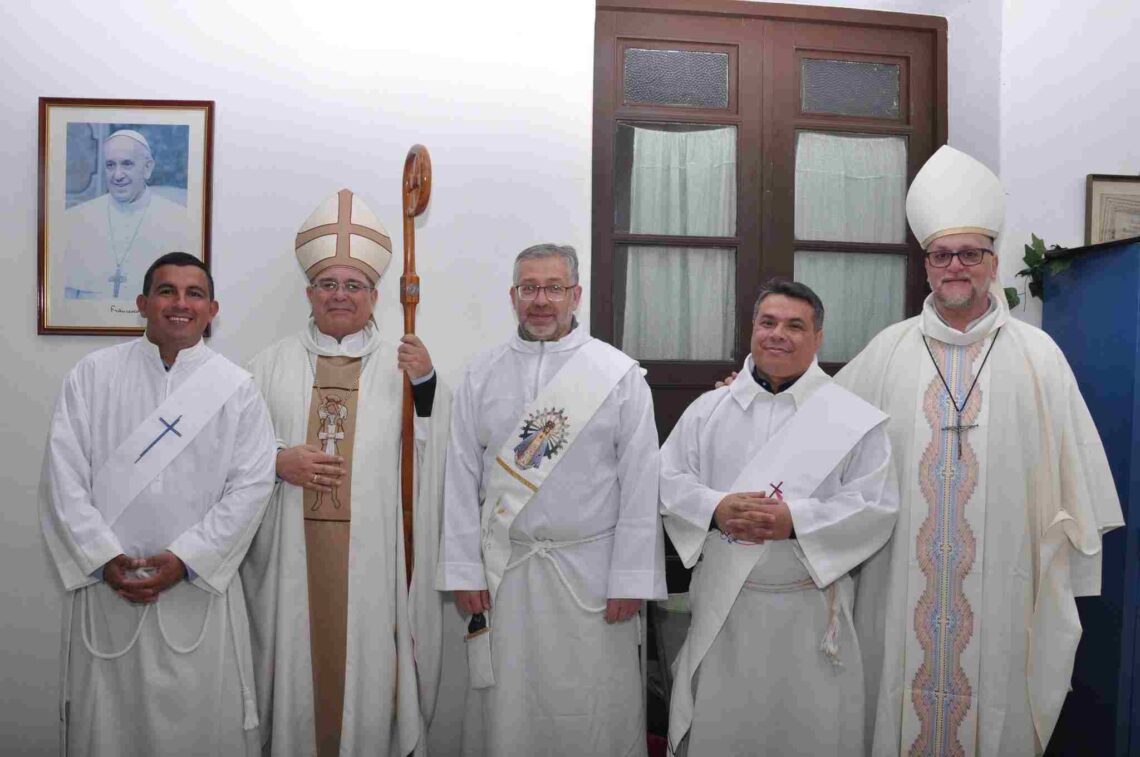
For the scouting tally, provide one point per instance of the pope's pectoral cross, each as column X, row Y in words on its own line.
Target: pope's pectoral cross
column 117, row 279
column 958, row 428
column 168, row 430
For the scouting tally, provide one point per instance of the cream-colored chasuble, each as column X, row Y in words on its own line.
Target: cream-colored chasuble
column 332, row 425
column 968, row 622
column 393, row 646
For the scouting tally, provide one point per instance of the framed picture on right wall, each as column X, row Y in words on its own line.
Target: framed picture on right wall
column 1112, row 208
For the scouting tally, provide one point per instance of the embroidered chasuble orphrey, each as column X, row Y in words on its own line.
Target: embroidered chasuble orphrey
column 948, row 547
column 331, row 426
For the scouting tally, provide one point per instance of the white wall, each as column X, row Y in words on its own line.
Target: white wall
column 1068, row 109
column 315, row 96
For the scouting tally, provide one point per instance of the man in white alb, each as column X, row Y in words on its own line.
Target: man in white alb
column 158, row 466
column 551, row 538
column 793, row 475
column 347, row 652
column 967, row 618
column 109, row 242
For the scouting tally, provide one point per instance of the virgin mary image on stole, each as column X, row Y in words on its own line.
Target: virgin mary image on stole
column 543, row 435
column 126, row 198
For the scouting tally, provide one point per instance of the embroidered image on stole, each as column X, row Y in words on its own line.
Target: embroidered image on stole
column 331, row 426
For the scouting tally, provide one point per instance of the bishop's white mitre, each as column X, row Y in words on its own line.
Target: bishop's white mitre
column 343, row 231
column 954, row 194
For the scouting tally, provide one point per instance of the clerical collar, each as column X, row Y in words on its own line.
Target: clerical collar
column 571, row 341
column 970, row 326
column 934, row 326
column 351, row 344
column 767, row 385
column 747, row 389
column 354, row 345
column 185, row 357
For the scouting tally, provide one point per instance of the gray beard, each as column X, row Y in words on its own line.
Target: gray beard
column 963, row 302
column 957, row 303
column 526, row 336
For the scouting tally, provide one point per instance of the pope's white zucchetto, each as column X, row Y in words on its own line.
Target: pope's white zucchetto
column 954, row 194
column 132, row 135
column 343, row 231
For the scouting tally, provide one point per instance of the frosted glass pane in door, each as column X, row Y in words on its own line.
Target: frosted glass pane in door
column 850, row 88
column 675, row 77
column 850, row 187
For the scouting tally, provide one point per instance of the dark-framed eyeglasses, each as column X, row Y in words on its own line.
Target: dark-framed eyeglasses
column 330, row 286
column 554, row 292
column 942, row 258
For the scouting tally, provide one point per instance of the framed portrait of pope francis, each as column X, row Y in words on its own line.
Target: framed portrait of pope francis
column 121, row 182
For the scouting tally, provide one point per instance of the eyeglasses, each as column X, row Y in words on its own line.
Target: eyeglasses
column 942, row 258
column 331, row 286
column 554, row 292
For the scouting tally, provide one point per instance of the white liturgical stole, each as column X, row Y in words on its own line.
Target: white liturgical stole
column 804, row 452
column 548, row 426
column 163, row 435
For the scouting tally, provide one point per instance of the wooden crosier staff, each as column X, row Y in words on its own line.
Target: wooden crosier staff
column 416, row 191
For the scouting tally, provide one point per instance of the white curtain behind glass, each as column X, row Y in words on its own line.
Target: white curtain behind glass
column 852, row 189
column 680, row 302
column 862, row 294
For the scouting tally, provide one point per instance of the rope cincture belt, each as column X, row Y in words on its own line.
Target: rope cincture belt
column 543, row 548
column 830, row 643
column 87, row 624
column 87, row 630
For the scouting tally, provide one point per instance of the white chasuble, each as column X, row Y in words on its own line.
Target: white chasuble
column 565, row 681
column 392, row 637
column 967, row 618
column 771, row 664
column 176, row 675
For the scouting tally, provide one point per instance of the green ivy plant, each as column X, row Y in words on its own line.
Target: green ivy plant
column 1036, row 266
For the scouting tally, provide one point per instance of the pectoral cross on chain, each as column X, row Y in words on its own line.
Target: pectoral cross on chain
column 958, row 428
column 117, row 279
column 168, row 430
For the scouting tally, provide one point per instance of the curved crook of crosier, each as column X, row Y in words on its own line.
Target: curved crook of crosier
column 417, row 180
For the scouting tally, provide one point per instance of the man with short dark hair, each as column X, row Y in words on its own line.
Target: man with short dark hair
column 158, row 465
column 551, row 538
column 791, row 474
